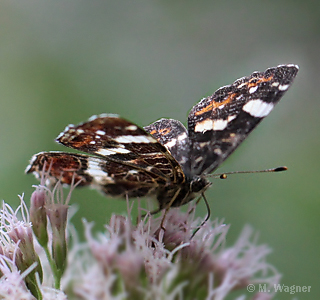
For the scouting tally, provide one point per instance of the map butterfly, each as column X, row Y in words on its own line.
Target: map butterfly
column 164, row 159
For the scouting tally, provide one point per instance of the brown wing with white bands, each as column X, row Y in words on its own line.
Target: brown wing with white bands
column 111, row 178
column 120, row 141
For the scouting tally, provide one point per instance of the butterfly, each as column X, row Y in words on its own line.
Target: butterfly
column 164, row 159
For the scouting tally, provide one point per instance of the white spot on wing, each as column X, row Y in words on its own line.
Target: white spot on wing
column 219, row 124
column 171, row 143
column 99, row 176
column 258, row 108
column 290, row 65
column 231, row 117
column 203, row 126
column 283, row 87
column 125, row 139
column 112, row 151
column 242, row 84
column 101, row 132
column 92, row 118
column 132, row 127
column 181, row 137
column 253, row 89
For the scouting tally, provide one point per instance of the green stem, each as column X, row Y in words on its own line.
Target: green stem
column 56, row 273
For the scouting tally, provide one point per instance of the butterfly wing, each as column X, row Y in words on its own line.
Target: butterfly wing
column 219, row 123
column 118, row 140
column 174, row 136
column 129, row 160
column 109, row 177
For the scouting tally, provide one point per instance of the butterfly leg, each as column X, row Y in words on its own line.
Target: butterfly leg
column 208, row 213
column 168, row 207
column 193, row 207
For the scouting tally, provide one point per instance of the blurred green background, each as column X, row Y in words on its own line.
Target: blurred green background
column 63, row 61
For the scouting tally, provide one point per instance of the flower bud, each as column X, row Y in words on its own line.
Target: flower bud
column 57, row 214
column 38, row 216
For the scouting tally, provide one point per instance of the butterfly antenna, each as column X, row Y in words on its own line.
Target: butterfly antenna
column 224, row 175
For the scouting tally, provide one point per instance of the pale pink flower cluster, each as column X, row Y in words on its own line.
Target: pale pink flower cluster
column 127, row 260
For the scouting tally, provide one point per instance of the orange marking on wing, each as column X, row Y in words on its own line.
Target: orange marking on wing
column 255, row 83
column 164, row 131
column 153, row 132
column 214, row 104
column 61, row 164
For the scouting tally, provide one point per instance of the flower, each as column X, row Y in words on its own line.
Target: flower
column 145, row 264
column 18, row 234
column 38, row 215
column 126, row 260
column 12, row 282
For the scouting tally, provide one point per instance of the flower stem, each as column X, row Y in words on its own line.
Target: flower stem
column 56, row 273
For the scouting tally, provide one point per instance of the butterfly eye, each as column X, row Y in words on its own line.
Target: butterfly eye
column 198, row 184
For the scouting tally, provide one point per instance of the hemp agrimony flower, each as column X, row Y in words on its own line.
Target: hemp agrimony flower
column 18, row 233
column 126, row 260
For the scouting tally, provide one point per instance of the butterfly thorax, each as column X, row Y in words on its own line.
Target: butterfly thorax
column 183, row 193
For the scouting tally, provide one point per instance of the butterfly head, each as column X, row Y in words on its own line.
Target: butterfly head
column 199, row 184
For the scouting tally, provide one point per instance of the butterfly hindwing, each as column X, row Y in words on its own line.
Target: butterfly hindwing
column 63, row 166
column 111, row 178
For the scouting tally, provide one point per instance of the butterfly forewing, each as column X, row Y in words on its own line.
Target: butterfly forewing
column 219, row 123
column 122, row 142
